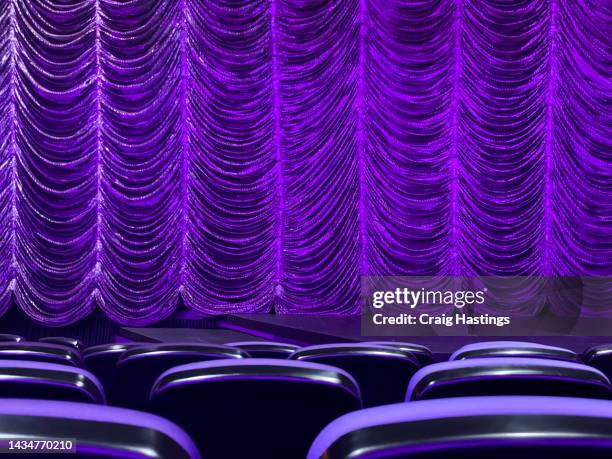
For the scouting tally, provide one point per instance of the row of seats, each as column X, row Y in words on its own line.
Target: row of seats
column 475, row 427
column 137, row 371
column 383, row 370
column 277, row 406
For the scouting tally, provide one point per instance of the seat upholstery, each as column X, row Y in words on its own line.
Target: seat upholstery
column 101, row 360
column 41, row 380
column 600, row 357
column 97, row 431
column 40, row 352
column 514, row 349
column 474, row 427
column 64, row 340
column 265, row 349
column 138, row 368
column 246, row 408
column 422, row 353
column 507, row 376
column 382, row 372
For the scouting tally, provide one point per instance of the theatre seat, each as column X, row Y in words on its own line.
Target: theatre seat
column 40, row 352
column 472, row 427
column 28, row 379
column 10, row 337
column 600, row 357
column 72, row 342
column 138, row 368
column 96, row 431
column 265, row 349
column 514, row 349
column 101, row 360
column 508, row 376
column 422, row 353
column 382, row 372
column 254, row 408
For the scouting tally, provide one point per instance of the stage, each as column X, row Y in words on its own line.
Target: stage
column 308, row 330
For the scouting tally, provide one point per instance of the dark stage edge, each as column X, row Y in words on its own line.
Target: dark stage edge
column 308, row 330
column 184, row 335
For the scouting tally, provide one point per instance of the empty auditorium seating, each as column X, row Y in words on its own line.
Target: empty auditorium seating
column 514, row 349
column 472, row 427
column 507, row 376
column 271, row 399
column 138, row 368
column 95, row 431
column 265, row 349
column 102, row 359
column 29, row 379
column 40, row 352
column 73, row 342
column 252, row 408
column 600, row 357
column 10, row 337
column 422, row 353
column 382, row 372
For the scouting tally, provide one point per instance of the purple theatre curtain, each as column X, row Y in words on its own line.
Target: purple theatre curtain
column 264, row 154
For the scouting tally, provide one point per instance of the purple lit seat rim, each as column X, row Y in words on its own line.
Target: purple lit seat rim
column 29, row 364
column 504, row 345
column 498, row 362
column 237, row 364
column 97, row 413
column 455, row 408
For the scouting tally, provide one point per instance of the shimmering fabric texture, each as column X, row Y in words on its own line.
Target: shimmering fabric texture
column 258, row 155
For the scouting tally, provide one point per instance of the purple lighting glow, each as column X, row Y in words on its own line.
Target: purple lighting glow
column 264, row 154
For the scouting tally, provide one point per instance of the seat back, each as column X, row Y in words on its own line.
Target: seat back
column 474, row 427
column 514, row 349
column 41, row 380
column 507, row 376
column 65, row 341
column 422, row 353
column 101, row 360
column 11, row 337
column 265, row 349
column 40, row 352
column 600, row 357
column 246, row 408
column 94, row 431
column 139, row 367
column 382, row 372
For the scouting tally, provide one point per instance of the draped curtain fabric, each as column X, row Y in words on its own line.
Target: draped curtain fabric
column 265, row 154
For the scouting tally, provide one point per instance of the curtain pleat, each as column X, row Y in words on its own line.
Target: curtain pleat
column 231, row 189
column 581, row 142
column 414, row 89
column 320, row 68
column 580, row 157
column 7, row 153
column 53, row 148
column 140, row 157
